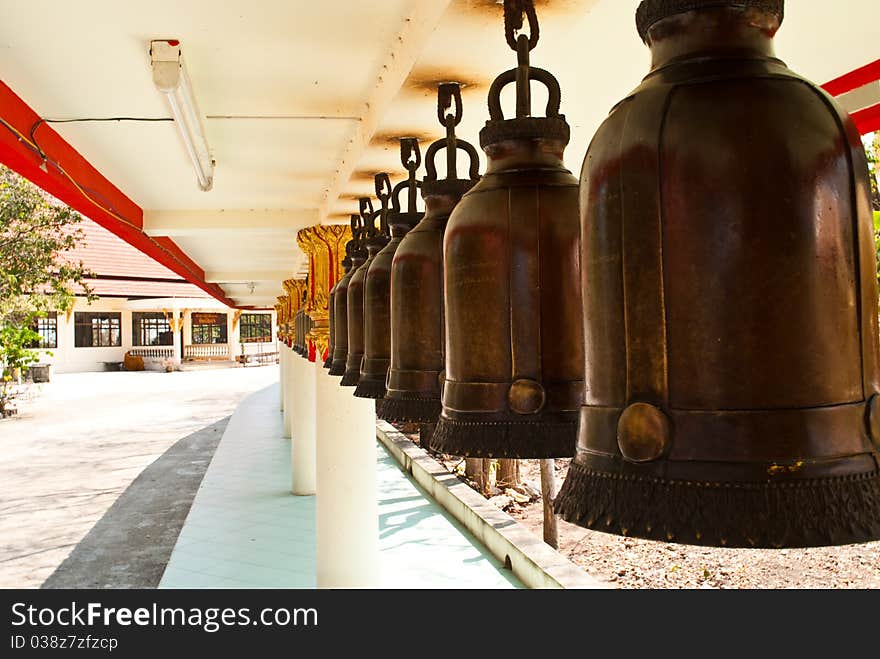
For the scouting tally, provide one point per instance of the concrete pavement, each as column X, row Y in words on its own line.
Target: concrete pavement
column 81, row 442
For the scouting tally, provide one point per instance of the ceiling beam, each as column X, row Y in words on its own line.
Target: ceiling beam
column 189, row 222
column 255, row 300
column 402, row 55
column 243, row 276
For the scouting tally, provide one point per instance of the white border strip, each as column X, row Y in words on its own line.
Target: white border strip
column 533, row 562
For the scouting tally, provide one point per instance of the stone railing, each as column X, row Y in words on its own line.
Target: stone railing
column 153, row 352
column 206, row 351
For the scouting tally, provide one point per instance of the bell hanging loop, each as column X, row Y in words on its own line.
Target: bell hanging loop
column 449, row 95
column 552, row 126
column 411, row 159
column 366, row 218
column 384, row 191
column 514, row 13
column 449, row 98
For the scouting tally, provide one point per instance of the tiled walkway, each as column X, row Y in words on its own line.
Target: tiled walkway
column 245, row 529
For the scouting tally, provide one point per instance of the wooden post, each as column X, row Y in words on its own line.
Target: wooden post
column 477, row 470
column 548, row 492
column 508, row 473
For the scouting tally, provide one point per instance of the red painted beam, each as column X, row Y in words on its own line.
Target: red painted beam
column 868, row 120
column 84, row 188
column 854, row 79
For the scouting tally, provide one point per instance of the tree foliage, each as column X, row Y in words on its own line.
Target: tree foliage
column 35, row 276
column 872, row 148
column 34, row 234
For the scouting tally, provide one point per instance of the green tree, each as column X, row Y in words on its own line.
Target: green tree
column 14, row 347
column 872, row 149
column 35, row 276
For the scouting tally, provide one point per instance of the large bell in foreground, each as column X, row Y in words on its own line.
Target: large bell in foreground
column 374, row 239
column 730, row 299
column 358, row 254
column 413, row 393
column 377, row 285
column 331, row 304
column 514, row 342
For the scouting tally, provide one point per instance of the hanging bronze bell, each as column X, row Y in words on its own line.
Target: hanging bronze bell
column 358, row 255
column 331, row 304
column 374, row 239
column 417, row 348
column 377, row 285
column 730, row 299
column 329, row 360
column 297, row 333
column 514, row 342
column 305, row 324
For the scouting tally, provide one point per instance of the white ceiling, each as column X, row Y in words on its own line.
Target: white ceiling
column 305, row 100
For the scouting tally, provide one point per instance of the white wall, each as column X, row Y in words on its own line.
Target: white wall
column 68, row 359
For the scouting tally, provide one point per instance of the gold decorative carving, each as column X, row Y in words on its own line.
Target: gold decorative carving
column 324, row 244
column 283, row 309
column 236, row 315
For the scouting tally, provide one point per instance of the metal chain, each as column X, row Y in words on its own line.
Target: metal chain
column 411, row 159
column 449, row 98
column 514, row 11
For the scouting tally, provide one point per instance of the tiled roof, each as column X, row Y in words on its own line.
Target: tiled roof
column 108, row 256
column 130, row 288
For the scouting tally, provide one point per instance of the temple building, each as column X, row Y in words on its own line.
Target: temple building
column 145, row 309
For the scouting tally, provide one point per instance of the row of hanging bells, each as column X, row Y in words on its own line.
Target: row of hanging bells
column 694, row 330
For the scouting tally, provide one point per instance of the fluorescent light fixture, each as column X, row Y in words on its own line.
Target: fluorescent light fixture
column 171, row 78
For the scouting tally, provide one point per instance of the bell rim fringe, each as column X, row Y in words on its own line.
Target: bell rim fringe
column 337, row 369
column 350, row 379
column 368, row 388
column 809, row 513
column 328, row 362
column 526, row 440
column 410, row 410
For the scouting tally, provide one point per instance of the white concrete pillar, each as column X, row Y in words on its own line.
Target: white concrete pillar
column 303, row 446
column 282, row 372
column 231, row 335
column 290, row 385
column 347, row 510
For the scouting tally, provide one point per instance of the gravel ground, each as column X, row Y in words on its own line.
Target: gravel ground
column 636, row 563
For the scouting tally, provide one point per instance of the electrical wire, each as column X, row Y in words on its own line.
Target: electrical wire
column 33, row 146
column 42, row 121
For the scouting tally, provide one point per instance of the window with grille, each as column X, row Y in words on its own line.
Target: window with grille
column 255, row 327
column 151, row 329
column 209, row 328
column 47, row 328
column 97, row 330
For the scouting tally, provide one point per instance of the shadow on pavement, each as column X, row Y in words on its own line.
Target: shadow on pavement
column 131, row 544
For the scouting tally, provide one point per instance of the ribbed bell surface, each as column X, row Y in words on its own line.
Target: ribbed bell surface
column 417, row 344
column 377, row 286
column 730, row 293
column 374, row 239
column 514, row 338
column 358, row 254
